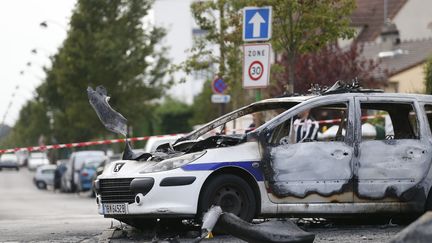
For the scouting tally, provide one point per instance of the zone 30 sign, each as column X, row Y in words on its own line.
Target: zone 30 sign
column 256, row 65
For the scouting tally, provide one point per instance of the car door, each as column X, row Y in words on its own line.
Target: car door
column 317, row 169
column 390, row 166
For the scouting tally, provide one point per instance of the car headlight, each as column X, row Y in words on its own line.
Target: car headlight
column 173, row 163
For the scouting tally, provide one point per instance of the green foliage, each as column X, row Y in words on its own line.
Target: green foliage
column 173, row 117
column 428, row 76
column 33, row 122
column 108, row 45
column 305, row 26
column 298, row 27
column 221, row 20
column 203, row 110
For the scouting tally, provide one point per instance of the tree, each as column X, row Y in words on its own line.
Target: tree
column 202, row 105
column 173, row 117
column 107, row 44
column 328, row 65
column 305, row 26
column 428, row 76
column 32, row 124
column 298, row 27
column 221, row 20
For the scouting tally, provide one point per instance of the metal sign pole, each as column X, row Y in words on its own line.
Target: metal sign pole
column 257, row 95
column 257, row 24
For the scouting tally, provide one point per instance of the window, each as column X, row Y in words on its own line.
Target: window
column 428, row 110
column 47, row 171
column 381, row 121
column 323, row 123
column 246, row 123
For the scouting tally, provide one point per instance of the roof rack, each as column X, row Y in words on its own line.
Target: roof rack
column 341, row 87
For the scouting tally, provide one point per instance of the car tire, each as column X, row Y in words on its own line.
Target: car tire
column 428, row 203
column 231, row 193
column 41, row 185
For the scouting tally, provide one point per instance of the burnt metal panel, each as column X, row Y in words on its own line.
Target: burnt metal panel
column 313, row 167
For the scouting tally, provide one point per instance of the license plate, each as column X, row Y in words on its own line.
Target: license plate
column 115, row 208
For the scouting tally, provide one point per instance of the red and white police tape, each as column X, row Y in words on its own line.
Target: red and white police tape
column 122, row 140
column 81, row 144
column 363, row 118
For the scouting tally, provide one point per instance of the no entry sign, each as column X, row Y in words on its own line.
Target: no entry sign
column 256, row 65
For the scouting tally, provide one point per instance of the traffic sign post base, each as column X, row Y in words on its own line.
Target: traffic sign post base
column 258, row 95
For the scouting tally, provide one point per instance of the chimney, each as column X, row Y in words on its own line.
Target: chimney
column 390, row 38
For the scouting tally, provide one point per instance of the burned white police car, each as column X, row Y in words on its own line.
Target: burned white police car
column 357, row 152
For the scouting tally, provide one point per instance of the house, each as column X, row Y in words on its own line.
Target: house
column 398, row 33
column 403, row 60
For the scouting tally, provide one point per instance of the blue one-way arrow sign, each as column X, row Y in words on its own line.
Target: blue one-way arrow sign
column 257, row 23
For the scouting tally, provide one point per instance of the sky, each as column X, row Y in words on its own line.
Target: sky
column 20, row 33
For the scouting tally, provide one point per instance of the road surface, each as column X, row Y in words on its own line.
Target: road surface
column 30, row 214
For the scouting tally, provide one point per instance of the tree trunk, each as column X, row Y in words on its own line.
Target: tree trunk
column 222, row 39
column 291, row 73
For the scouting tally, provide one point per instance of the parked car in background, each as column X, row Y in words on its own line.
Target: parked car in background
column 22, row 156
column 44, row 176
column 9, row 161
column 88, row 171
column 37, row 159
column 101, row 168
column 70, row 181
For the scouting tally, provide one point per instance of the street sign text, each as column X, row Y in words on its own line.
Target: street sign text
column 256, row 65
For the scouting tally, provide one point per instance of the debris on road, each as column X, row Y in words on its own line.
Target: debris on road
column 269, row 231
column 418, row 231
column 209, row 221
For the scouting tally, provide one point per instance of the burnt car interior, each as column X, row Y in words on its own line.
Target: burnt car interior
column 233, row 128
column 404, row 124
column 324, row 117
column 428, row 109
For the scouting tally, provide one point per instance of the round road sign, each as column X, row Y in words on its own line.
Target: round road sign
column 219, row 86
column 256, row 70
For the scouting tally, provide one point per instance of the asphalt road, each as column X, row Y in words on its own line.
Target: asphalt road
column 29, row 214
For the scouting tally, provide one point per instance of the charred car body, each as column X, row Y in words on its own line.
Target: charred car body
column 266, row 173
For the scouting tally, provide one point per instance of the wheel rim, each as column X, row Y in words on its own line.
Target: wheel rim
column 230, row 198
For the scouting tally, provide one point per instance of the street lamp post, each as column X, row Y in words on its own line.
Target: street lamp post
column 45, row 24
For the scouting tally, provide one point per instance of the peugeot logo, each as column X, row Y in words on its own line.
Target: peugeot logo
column 118, row 166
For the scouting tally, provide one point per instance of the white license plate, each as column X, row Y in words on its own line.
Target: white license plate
column 115, row 208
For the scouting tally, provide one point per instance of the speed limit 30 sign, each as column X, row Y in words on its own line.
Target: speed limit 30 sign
column 256, row 65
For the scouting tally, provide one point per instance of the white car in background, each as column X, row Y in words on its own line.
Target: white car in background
column 22, row 157
column 37, row 159
column 44, row 176
column 9, row 161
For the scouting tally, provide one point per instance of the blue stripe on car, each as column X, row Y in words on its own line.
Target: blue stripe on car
column 256, row 172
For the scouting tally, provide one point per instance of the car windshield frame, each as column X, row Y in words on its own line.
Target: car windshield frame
column 249, row 109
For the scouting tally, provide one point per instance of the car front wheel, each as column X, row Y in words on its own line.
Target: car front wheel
column 41, row 185
column 231, row 193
